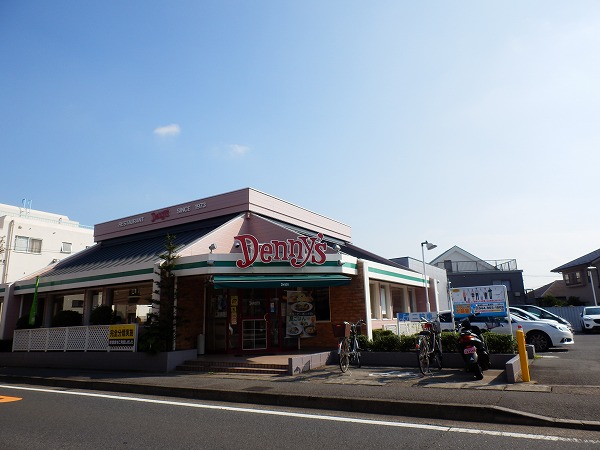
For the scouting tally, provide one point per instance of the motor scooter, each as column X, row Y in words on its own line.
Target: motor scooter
column 473, row 349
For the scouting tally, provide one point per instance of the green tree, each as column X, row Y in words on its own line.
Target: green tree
column 160, row 332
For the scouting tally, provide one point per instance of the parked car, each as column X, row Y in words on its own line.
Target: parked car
column 528, row 315
column 545, row 314
column 590, row 319
column 446, row 323
column 542, row 335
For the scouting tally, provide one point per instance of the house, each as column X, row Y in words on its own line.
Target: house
column 254, row 274
column 33, row 240
column 581, row 277
column 557, row 289
column 465, row 270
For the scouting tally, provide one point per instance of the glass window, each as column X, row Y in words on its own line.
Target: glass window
column 572, row 278
column 28, row 245
column 66, row 247
column 132, row 304
column 383, row 301
column 374, row 303
column 21, row 243
column 321, row 301
column 35, row 246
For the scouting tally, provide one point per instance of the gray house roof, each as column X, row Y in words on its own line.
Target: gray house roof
column 584, row 260
column 143, row 247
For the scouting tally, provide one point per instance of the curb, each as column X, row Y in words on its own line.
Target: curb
column 426, row 410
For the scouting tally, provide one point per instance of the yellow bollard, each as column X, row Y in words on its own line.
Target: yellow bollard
column 523, row 354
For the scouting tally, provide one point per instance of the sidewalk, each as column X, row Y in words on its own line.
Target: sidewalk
column 450, row 394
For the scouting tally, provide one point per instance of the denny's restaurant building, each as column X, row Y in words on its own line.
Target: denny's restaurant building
column 254, row 274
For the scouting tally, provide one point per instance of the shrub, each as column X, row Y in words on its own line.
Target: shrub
column 450, row 341
column 500, row 343
column 151, row 342
column 364, row 343
column 385, row 342
column 23, row 323
column 67, row 318
column 408, row 343
column 102, row 315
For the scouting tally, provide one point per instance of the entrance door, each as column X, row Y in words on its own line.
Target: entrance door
column 260, row 324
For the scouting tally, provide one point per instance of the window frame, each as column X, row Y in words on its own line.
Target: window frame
column 33, row 245
column 573, row 278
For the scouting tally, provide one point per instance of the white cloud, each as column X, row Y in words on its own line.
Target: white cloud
column 237, row 150
column 168, row 130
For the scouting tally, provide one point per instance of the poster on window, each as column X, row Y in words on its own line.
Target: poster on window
column 300, row 319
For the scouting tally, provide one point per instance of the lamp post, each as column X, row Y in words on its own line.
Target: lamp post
column 592, row 283
column 429, row 246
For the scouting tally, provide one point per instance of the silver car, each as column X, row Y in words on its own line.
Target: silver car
column 542, row 313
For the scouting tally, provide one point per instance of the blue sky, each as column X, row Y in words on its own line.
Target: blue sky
column 461, row 123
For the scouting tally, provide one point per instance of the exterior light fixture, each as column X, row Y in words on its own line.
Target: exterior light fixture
column 212, row 247
column 429, row 246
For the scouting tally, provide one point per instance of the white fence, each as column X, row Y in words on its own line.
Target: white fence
column 82, row 339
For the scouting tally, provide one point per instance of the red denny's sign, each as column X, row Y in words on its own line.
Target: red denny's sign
column 298, row 252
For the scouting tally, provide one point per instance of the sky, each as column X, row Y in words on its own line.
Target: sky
column 457, row 122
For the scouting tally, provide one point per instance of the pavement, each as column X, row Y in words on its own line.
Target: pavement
column 450, row 394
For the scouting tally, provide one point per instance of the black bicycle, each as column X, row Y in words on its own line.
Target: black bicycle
column 429, row 346
column 348, row 348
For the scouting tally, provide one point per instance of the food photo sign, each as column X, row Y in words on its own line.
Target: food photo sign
column 300, row 319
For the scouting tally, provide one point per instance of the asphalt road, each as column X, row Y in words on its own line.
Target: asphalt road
column 574, row 365
column 69, row 419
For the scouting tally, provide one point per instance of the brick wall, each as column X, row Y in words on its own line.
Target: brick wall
column 347, row 303
column 190, row 302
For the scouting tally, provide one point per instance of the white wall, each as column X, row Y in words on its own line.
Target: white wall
column 51, row 229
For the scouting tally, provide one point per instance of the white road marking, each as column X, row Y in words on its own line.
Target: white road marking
column 316, row 416
column 394, row 373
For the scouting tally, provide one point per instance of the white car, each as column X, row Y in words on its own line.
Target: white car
column 590, row 319
column 542, row 335
column 542, row 313
column 527, row 315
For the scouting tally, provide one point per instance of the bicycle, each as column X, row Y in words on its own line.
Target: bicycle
column 348, row 348
column 429, row 346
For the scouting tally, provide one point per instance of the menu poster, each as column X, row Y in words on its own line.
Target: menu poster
column 300, row 319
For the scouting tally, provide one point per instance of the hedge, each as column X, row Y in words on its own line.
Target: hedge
column 387, row 341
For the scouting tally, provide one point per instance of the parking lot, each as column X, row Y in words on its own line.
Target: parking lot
column 577, row 365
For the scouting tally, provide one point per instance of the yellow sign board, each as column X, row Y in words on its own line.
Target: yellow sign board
column 121, row 335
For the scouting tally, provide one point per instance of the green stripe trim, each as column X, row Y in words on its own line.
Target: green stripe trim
column 395, row 275
column 259, row 281
column 231, row 264
column 109, row 276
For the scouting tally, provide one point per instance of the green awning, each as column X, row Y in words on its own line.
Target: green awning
column 279, row 281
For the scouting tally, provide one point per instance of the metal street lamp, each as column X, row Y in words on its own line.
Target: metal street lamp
column 429, row 246
column 592, row 283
